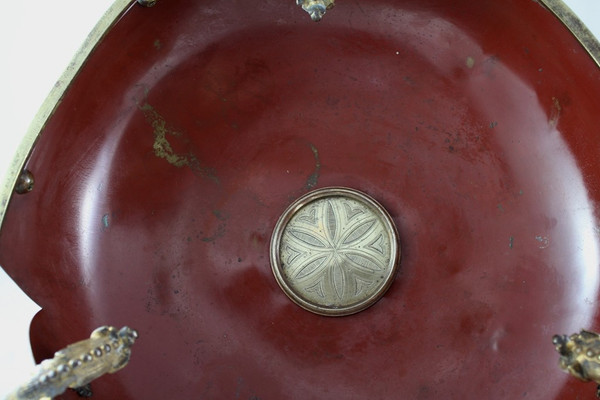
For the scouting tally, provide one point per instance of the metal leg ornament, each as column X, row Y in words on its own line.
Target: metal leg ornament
column 580, row 355
column 106, row 351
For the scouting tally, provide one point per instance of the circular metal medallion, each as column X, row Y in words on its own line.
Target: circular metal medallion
column 334, row 251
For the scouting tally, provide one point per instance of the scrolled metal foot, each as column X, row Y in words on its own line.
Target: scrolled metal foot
column 580, row 355
column 106, row 351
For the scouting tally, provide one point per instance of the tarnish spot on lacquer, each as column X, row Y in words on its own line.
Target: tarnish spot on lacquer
column 470, row 62
column 313, row 179
column 163, row 149
column 544, row 241
column 105, row 221
column 554, row 112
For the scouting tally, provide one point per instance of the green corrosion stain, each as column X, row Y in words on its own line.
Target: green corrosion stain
column 163, row 149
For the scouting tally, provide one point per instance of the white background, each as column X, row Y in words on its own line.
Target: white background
column 37, row 40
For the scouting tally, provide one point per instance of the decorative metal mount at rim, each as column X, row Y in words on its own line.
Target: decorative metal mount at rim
column 316, row 8
column 335, row 251
column 147, row 3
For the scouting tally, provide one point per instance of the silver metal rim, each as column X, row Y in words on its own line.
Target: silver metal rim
column 110, row 17
column 587, row 39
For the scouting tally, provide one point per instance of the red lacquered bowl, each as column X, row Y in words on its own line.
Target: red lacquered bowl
column 193, row 125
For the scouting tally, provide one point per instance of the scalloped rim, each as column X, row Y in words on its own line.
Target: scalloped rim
column 110, row 17
column 113, row 14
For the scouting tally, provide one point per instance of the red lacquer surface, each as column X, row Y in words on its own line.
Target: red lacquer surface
column 194, row 124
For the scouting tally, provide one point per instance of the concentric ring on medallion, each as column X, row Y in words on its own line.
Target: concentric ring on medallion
column 335, row 251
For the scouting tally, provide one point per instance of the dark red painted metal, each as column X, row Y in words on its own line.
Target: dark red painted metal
column 474, row 123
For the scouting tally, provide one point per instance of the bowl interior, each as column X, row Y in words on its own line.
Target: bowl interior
column 190, row 129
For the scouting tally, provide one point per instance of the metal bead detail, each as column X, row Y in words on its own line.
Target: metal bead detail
column 590, row 353
column 24, row 182
column 63, row 369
